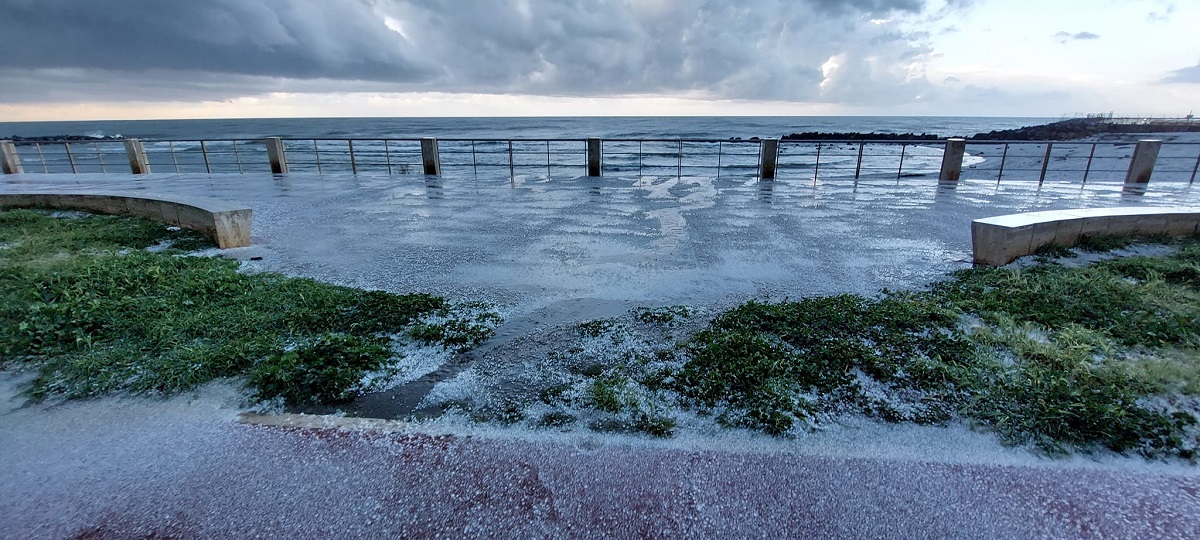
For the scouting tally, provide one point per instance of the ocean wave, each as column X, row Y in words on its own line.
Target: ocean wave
column 70, row 138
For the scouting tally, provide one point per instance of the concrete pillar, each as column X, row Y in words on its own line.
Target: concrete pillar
column 136, row 152
column 10, row 161
column 277, row 155
column 952, row 159
column 1142, row 164
column 769, row 159
column 430, row 160
column 594, row 152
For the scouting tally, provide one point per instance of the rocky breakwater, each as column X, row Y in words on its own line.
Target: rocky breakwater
column 855, row 136
column 1079, row 128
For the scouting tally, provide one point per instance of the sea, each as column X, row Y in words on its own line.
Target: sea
column 614, row 127
column 546, row 146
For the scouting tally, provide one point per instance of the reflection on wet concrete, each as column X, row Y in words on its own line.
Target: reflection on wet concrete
column 946, row 188
column 433, row 188
column 766, row 190
column 1133, row 191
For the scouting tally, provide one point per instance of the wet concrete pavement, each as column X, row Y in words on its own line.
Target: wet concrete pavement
column 528, row 244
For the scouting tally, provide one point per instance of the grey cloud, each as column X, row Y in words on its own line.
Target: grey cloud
column 958, row 5
column 1078, row 36
column 74, row 84
column 1184, row 75
column 872, row 7
column 976, row 97
column 1165, row 15
column 757, row 49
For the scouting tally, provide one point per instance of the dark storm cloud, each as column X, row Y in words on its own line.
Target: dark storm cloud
column 1184, row 75
column 814, row 50
column 280, row 38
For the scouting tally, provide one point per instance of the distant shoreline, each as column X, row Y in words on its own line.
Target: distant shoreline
column 642, row 128
column 1063, row 130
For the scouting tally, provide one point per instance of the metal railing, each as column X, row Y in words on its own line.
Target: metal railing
column 1067, row 161
column 811, row 160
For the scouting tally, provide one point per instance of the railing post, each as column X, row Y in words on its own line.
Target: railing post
column 136, row 152
column 952, row 159
column 429, row 156
column 858, row 167
column 1142, row 164
column 276, row 155
column 10, row 161
column 594, row 160
column 769, row 159
column 1045, row 162
column 204, row 151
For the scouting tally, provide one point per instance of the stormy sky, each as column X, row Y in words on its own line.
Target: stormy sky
column 70, row 59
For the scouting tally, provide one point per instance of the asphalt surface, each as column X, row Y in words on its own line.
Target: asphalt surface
column 186, row 468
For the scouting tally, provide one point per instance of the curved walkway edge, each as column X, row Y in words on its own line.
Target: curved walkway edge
column 999, row 240
column 226, row 223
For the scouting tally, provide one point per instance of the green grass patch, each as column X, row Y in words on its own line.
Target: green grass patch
column 1054, row 251
column 1168, row 371
column 610, row 393
column 1129, row 300
column 1059, row 357
column 597, row 327
column 662, row 316
column 1100, row 244
column 771, row 366
column 325, row 370
column 90, row 309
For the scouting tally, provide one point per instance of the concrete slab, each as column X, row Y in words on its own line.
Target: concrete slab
column 1068, row 232
column 529, row 243
column 1182, row 224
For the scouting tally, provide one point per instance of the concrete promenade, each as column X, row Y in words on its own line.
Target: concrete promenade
column 648, row 241
column 185, row 467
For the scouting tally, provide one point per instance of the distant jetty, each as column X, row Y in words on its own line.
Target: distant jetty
column 1064, row 130
column 855, row 136
column 1079, row 128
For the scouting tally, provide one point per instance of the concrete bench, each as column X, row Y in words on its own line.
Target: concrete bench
column 999, row 240
column 225, row 223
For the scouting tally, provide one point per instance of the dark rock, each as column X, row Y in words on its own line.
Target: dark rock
column 854, row 136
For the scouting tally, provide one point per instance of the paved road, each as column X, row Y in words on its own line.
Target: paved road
column 186, row 468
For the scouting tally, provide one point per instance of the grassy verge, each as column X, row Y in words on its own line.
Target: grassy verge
column 93, row 311
column 1059, row 357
